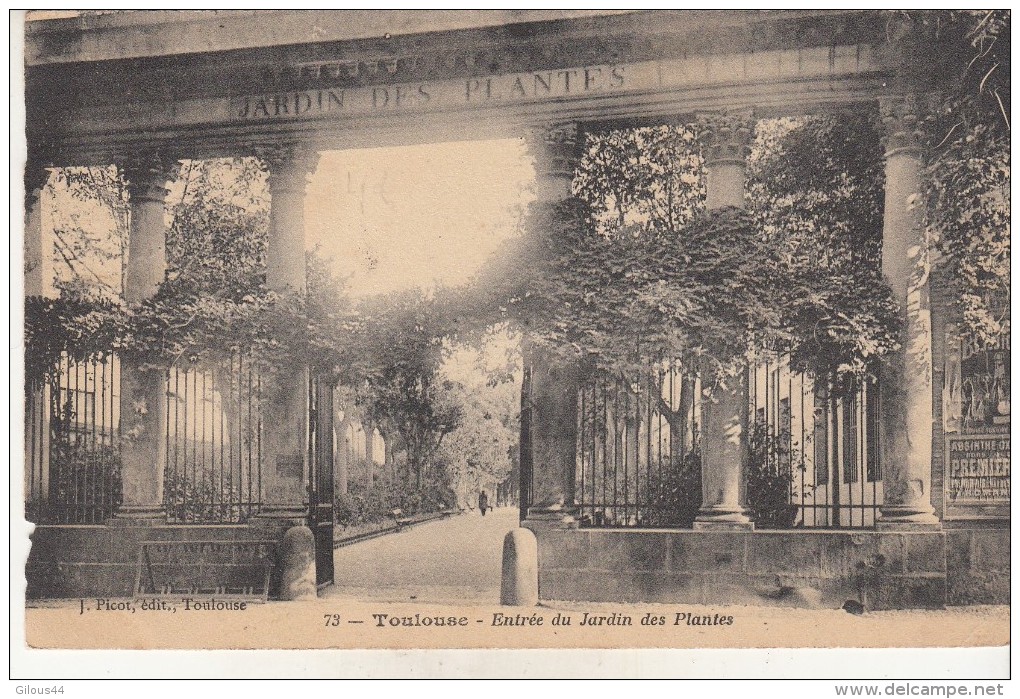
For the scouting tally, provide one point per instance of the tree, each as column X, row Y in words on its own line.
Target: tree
column 647, row 177
column 480, row 452
column 815, row 186
column 219, row 231
column 397, row 350
column 90, row 219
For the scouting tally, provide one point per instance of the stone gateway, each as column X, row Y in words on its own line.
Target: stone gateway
column 143, row 91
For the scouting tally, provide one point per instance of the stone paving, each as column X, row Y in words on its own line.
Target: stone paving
column 455, row 560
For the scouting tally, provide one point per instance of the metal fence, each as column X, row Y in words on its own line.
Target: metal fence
column 213, row 443
column 72, row 430
column 823, row 444
column 637, row 450
column 813, row 454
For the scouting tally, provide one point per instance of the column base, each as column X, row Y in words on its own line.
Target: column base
column 556, row 513
column 282, row 515
column 907, row 518
column 722, row 518
column 139, row 516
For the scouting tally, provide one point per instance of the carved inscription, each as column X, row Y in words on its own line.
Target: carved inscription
column 290, row 104
column 559, row 83
column 446, row 94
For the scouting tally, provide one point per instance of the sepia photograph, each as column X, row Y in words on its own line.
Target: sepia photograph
column 657, row 331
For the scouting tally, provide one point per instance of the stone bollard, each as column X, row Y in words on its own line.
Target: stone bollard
column 297, row 565
column 520, row 569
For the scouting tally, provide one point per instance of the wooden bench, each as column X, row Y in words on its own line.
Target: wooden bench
column 399, row 518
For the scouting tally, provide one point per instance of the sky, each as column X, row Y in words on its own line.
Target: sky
column 396, row 218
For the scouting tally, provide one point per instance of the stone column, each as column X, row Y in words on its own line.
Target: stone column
column 554, row 383
column 285, row 404
column 38, row 278
column 143, row 388
column 725, row 140
column 725, row 143
column 38, row 265
column 905, row 387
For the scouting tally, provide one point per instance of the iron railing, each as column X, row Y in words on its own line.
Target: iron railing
column 213, row 468
column 813, row 458
column 637, row 450
column 824, row 443
column 213, row 442
column 72, row 438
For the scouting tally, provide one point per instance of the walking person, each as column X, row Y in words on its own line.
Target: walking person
column 483, row 502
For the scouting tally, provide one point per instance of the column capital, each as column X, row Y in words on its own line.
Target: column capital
column 289, row 164
column 556, row 149
column 725, row 136
column 900, row 117
column 146, row 176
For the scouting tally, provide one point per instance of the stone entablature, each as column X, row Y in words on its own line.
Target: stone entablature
column 116, row 35
column 486, row 84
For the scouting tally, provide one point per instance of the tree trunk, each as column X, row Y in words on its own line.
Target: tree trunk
column 341, row 454
column 391, row 461
column 680, row 420
column 369, row 429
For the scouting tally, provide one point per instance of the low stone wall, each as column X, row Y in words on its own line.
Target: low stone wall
column 978, row 565
column 882, row 570
column 102, row 561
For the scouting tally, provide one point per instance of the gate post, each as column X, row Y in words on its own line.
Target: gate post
column 285, row 475
column 725, row 140
column 905, row 385
column 551, row 391
column 38, row 278
column 143, row 390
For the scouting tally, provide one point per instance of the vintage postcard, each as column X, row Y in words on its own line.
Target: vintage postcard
column 450, row 330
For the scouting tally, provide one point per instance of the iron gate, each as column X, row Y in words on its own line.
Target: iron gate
column 320, row 487
column 525, row 456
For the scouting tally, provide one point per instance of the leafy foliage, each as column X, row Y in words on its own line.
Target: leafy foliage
column 87, row 475
column 675, row 491
column 370, row 504
column 90, row 218
column 633, row 273
column 967, row 183
column 648, row 177
column 398, row 353
column 479, row 453
column 770, row 483
column 815, row 187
